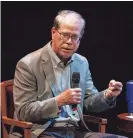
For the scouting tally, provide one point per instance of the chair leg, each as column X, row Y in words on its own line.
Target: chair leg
column 27, row 133
column 5, row 131
column 102, row 128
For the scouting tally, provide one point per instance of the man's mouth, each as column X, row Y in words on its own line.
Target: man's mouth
column 67, row 49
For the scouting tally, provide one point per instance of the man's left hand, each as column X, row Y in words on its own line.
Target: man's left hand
column 115, row 88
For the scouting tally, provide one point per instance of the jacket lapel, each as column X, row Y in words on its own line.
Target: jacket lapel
column 48, row 69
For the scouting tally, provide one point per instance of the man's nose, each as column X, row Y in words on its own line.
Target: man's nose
column 69, row 40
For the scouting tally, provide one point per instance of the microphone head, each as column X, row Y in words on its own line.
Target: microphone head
column 75, row 77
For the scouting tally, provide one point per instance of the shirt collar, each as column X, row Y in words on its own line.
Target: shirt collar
column 56, row 59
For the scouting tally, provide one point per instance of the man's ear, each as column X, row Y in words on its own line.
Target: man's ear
column 53, row 31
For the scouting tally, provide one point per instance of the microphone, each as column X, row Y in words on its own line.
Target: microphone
column 75, row 83
column 75, row 79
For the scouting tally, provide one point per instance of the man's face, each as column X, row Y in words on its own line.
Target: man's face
column 66, row 39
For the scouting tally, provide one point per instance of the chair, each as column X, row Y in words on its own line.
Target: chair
column 7, row 108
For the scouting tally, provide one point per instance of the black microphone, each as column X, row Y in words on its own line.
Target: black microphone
column 75, row 83
column 75, row 79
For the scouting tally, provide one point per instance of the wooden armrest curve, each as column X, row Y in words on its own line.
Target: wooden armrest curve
column 18, row 123
column 94, row 119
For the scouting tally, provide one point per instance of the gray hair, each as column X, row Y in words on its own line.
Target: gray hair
column 63, row 13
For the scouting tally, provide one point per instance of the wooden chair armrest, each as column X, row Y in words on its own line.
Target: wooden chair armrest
column 18, row 123
column 95, row 119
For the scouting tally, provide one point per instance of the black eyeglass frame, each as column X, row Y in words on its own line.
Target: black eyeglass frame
column 66, row 36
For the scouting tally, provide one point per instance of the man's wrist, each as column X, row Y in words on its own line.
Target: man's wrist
column 107, row 98
column 58, row 100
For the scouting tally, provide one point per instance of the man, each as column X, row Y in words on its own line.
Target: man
column 43, row 82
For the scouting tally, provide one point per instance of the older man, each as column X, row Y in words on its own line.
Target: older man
column 43, row 82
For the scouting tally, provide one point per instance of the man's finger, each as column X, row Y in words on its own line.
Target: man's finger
column 116, row 93
column 76, row 89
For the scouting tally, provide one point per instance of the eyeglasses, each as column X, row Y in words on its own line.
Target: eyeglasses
column 66, row 36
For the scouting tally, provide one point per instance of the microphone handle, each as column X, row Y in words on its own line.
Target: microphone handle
column 75, row 85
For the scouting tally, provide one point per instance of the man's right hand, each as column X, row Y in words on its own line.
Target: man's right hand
column 69, row 96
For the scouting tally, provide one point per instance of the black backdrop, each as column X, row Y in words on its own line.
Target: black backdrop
column 107, row 42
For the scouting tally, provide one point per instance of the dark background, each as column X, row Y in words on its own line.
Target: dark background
column 107, row 42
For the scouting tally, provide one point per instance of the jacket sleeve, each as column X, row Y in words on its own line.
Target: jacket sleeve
column 94, row 101
column 27, row 105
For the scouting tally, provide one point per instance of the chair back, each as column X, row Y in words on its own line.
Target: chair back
column 7, row 107
column 7, row 103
